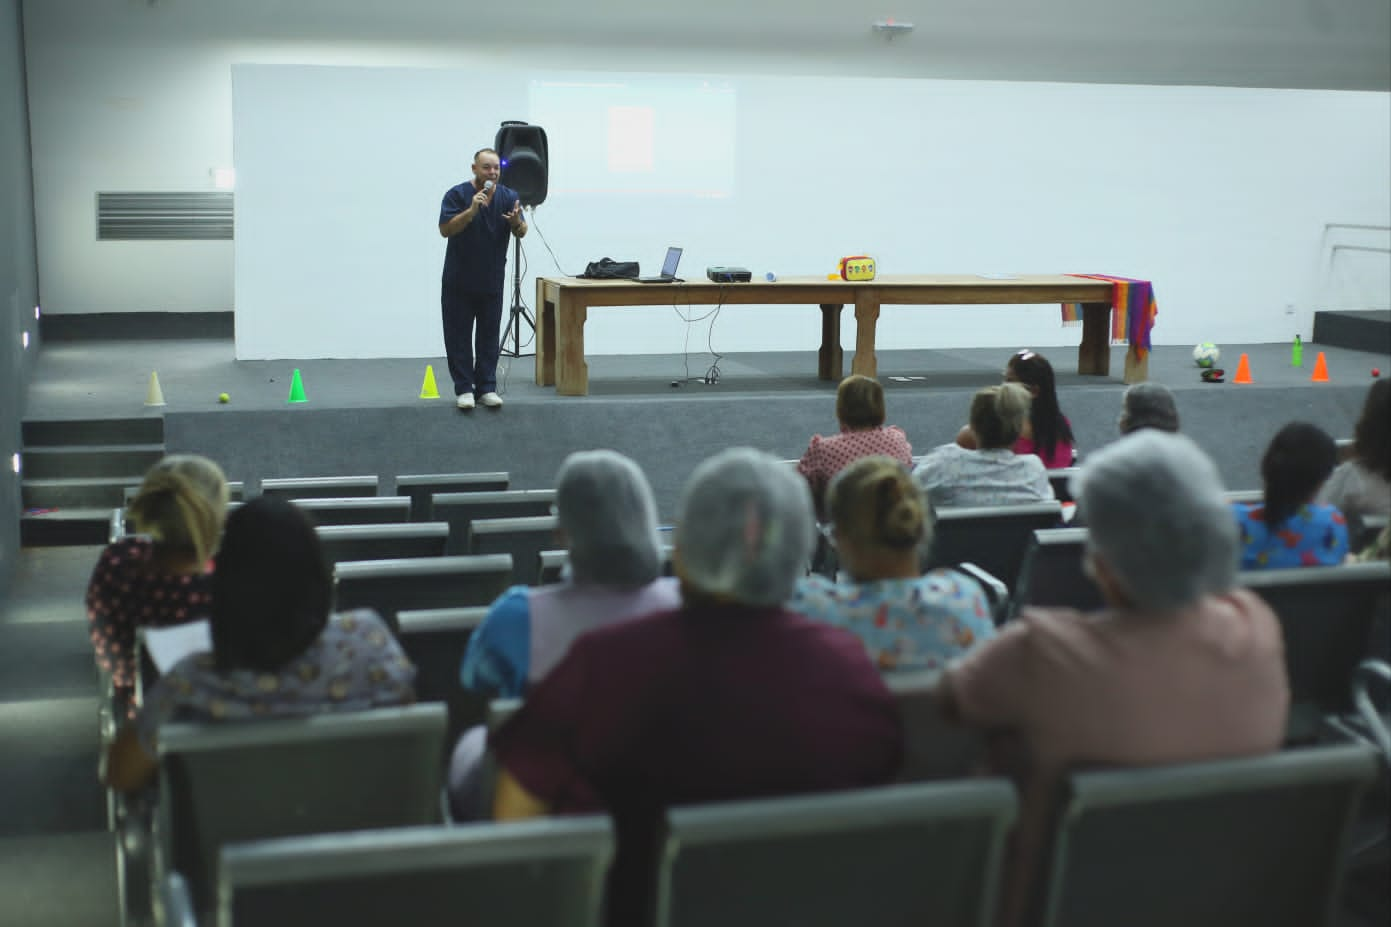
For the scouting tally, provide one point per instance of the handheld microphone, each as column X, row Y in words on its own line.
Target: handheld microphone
column 487, row 185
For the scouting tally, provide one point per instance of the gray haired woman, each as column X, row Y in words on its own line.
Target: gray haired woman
column 608, row 518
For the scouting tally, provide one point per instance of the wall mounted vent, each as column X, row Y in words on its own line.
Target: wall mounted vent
column 164, row 216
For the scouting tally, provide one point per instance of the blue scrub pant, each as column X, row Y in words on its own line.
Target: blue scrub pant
column 472, row 323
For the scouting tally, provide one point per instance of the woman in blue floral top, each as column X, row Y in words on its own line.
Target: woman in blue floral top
column 881, row 523
column 1287, row 528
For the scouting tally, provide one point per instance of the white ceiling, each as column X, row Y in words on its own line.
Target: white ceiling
column 1331, row 44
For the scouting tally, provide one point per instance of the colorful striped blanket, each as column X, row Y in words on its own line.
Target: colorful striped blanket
column 1132, row 311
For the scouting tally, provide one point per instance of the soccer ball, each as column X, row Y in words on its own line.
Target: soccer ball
column 1206, row 354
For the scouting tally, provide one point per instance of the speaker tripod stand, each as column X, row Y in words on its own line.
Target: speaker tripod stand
column 519, row 313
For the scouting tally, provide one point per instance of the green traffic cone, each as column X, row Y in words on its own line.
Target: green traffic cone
column 297, row 389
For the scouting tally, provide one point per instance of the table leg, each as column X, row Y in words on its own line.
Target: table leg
column 830, row 361
column 545, row 335
column 1137, row 368
column 572, row 373
column 1094, row 354
column 866, row 318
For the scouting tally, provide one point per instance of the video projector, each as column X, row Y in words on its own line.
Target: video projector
column 729, row 274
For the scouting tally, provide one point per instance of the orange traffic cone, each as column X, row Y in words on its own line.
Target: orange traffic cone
column 1320, row 370
column 1243, row 370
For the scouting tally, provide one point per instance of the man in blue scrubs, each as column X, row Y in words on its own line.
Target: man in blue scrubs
column 479, row 217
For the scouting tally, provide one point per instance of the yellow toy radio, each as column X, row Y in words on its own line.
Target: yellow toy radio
column 857, row 267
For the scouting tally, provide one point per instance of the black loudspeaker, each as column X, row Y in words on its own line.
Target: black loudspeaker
column 521, row 147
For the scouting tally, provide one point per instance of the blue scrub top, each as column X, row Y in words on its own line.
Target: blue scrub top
column 475, row 260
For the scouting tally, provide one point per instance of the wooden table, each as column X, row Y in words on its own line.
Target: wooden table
column 563, row 305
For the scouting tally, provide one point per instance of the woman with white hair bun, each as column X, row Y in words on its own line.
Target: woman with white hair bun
column 608, row 518
column 1180, row 666
column 730, row 696
column 989, row 472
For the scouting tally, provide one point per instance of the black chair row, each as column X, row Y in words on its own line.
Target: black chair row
column 335, row 820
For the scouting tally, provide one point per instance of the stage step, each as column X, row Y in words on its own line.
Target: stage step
column 75, row 473
column 77, row 491
column 84, row 460
column 77, row 525
column 1365, row 330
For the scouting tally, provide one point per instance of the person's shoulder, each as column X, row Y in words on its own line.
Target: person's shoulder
column 132, row 547
column 358, row 622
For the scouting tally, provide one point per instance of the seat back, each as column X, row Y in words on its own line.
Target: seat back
column 524, row 538
column 541, row 873
column 550, row 564
column 320, row 487
column 355, row 510
column 227, row 783
column 991, row 537
column 1249, row 841
column 460, row 509
column 892, row 855
column 1326, row 614
column 934, row 747
column 1061, row 481
column 435, row 640
column 392, row 586
column 1052, row 574
column 421, row 486
column 396, row 541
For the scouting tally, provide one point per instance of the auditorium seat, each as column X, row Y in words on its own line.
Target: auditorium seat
column 435, row 640
column 421, row 486
column 1327, row 615
column 547, row 872
column 524, row 538
column 320, row 487
column 550, row 564
column 934, row 746
column 356, row 510
column 992, row 537
column 221, row 784
column 892, row 855
column 392, row 586
column 461, row 508
column 395, row 541
column 1258, row 841
column 1052, row 574
column 1061, row 481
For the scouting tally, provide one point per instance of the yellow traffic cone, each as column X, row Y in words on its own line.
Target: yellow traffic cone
column 428, row 389
column 154, row 396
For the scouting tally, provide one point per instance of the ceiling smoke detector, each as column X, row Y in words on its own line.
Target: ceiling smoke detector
column 889, row 28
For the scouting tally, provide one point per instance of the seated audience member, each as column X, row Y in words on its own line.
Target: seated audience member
column 730, row 696
column 1180, row 666
column 609, row 521
column 276, row 651
column 1287, row 528
column 990, row 472
column 161, row 577
column 860, row 411
column 1148, row 405
column 882, row 524
column 1361, row 485
column 1046, row 432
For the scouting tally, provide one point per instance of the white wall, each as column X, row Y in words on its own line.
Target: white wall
column 128, row 96
column 1206, row 191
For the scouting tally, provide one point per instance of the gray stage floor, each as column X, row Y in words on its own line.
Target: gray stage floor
column 101, row 379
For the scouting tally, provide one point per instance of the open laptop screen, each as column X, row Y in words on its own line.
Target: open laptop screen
column 669, row 265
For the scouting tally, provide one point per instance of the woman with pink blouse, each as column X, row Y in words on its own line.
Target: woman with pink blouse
column 860, row 411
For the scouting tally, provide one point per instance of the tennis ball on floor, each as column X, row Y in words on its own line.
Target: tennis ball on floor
column 223, row 397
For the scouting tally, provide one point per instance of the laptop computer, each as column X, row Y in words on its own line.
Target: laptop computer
column 668, row 274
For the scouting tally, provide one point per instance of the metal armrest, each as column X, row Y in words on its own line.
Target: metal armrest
column 996, row 592
column 1372, row 719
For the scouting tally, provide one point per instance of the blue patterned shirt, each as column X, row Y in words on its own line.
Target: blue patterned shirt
column 920, row 623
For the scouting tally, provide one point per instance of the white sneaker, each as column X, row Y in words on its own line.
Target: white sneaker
column 465, row 401
column 491, row 400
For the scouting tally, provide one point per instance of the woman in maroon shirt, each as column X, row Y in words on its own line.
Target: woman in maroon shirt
column 157, row 577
